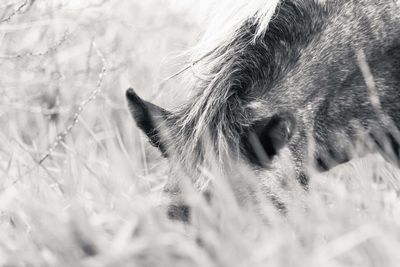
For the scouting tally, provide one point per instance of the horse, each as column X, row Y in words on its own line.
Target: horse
column 314, row 78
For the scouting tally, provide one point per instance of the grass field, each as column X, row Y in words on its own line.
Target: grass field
column 80, row 186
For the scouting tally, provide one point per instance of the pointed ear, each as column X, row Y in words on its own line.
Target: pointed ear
column 270, row 136
column 148, row 117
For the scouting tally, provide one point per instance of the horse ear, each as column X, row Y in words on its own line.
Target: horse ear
column 149, row 118
column 270, row 136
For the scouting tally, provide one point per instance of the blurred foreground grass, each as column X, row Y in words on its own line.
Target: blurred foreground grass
column 96, row 200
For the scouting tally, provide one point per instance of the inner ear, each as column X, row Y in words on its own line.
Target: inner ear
column 271, row 135
column 276, row 133
column 149, row 118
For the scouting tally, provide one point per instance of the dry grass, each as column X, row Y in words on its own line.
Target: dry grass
column 96, row 199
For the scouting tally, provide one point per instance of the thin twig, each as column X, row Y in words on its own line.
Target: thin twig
column 49, row 50
column 15, row 12
column 61, row 136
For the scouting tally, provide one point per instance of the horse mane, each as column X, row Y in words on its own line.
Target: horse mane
column 244, row 52
column 227, row 18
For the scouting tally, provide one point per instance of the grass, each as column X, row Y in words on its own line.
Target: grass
column 97, row 200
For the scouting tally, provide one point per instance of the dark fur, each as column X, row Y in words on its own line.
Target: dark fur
column 297, row 84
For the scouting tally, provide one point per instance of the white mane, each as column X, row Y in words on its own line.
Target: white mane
column 227, row 17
